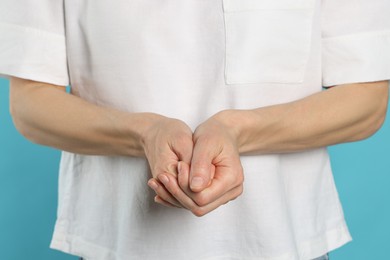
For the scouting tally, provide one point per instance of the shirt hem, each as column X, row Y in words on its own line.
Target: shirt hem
column 316, row 247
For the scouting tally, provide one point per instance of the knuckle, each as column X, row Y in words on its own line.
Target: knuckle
column 240, row 191
column 229, row 200
column 199, row 212
column 240, row 179
column 171, row 168
column 201, row 200
column 231, row 181
column 174, row 191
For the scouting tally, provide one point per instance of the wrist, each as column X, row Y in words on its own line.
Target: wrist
column 237, row 123
column 253, row 130
column 137, row 127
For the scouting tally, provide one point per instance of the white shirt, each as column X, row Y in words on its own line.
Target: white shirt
column 189, row 59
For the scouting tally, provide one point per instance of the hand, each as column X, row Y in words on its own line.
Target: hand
column 166, row 142
column 216, row 173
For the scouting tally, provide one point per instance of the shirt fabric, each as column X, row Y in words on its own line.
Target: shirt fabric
column 189, row 59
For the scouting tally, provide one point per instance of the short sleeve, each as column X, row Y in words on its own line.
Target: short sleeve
column 32, row 40
column 355, row 41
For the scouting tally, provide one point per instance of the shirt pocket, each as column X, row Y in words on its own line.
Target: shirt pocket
column 267, row 40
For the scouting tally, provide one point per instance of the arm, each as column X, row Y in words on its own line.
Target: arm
column 47, row 115
column 342, row 114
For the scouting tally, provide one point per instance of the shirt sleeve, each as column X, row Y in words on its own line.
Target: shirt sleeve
column 355, row 41
column 32, row 40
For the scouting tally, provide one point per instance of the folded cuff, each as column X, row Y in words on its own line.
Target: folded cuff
column 356, row 58
column 33, row 54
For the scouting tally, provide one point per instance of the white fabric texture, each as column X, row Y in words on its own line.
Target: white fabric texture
column 356, row 41
column 189, row 59
column 32, row 42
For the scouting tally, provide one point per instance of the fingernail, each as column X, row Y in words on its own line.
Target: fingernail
column 164, row 179
column 196, row 182
column 153, row 185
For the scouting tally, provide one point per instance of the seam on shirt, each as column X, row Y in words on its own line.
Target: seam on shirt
column 32, row 29
column 267, row 10
column 352, row 35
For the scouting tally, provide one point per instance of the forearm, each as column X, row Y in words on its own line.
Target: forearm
column 47, row 115
column 342, row 114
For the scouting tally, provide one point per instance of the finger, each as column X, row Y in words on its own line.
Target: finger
column 224, row 181
column 173, row 188
column 227, row 197
column 159, row 200
column 163, row 193
column 183, row 178
column 201, row 166
column 194, row 207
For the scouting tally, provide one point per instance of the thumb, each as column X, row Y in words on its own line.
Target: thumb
column 202, row 169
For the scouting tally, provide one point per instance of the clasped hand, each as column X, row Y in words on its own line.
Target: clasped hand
column 198, row 171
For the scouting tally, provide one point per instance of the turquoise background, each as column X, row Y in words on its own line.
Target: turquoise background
column 28, row 194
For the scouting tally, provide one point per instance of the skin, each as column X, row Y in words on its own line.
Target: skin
column 77, row 126
column 211, row 154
